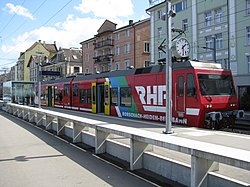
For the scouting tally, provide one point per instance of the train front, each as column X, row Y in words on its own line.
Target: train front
column 219, row 102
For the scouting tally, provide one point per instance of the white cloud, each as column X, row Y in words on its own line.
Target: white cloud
column 19, row 10
column 73, row 30
column 66, row 34
column 107, row 8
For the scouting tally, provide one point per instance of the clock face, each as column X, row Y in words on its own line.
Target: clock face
column 182, row 47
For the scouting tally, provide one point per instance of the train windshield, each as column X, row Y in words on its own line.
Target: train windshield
column 216, row 84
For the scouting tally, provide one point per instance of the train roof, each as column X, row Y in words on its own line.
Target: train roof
column 189, row 64
column 194, row 64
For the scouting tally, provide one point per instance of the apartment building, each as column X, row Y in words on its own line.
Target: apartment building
column 217, row 31
column 117, row 49
column 65, row 62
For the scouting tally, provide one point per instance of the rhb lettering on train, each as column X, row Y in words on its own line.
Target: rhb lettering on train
column 152, row 97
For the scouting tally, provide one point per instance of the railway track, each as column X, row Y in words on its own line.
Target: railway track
column 241, row 126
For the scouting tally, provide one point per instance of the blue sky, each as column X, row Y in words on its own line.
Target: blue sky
column 68, row 22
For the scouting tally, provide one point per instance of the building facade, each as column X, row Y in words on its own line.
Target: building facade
column 39, row 50
column 117, row 49
column 217, row 31
column 66, row 62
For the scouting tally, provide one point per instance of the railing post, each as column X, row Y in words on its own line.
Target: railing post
column 49, row 121
column 60, row 126
column 199, row 170
column 77, row 131
column 100, row 141
column 136, row 153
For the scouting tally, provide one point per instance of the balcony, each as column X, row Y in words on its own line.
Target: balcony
column 104, row 43
column 103, row 58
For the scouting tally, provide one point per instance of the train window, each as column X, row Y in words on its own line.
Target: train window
column 191, row 90
column 126, row 97
column 216, row 84
column 114, row 96
column 88, row 96
column 58, row 95
column 66, row 90
column 94, row 94
column 82, row 96
column 75, row 90
column 181, row 86
column 106, row 93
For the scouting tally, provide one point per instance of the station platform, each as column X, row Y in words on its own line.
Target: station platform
column 31, row 157
column 228, row 139
column 213, row 137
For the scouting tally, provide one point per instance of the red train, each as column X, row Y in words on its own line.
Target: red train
column 203, row 94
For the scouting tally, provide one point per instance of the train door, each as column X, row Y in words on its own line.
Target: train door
column 107, row 98
column 98, row 98
column 50, row 96
column 180, row 95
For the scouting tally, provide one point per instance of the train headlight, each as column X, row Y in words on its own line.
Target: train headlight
column 232, row 104
column 209, row 106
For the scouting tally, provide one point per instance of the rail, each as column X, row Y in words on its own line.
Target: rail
column 205, row 157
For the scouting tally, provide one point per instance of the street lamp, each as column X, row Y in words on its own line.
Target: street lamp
column 213, row 49
column 168, row 18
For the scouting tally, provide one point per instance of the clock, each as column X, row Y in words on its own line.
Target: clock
column 181, row 48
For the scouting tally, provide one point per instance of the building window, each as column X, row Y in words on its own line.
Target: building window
column 180, row 6
column 117, row 50
column 248, row 62
column 87, row 70
column 160, row 54
column 87, row 45
column 87, row 57
column 127, row 48
column 117, row 36
column 126, row 64
column 209, row 41
column 146, row 63
column 208, row 18
column 76, row 69
column 248, row 7
column 117, row 66
column 218, row 15
column 185, row 25
column 248, row 35
column 127, row 33
column 146, row 47
column 159, row 32
column 219, row 41
column 159, row 14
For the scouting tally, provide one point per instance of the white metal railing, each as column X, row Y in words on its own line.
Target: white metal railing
column 205, row 157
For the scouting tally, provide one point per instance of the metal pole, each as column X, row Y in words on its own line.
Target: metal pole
column 214, row 49
column 39, row 83
column 168, row 71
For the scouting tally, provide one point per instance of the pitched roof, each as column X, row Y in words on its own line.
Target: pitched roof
column 48, row 47
column 70, row 55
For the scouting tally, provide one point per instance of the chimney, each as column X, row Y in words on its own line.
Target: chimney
column 39, row 41
column 130, row 22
